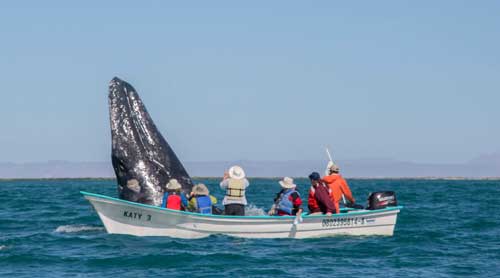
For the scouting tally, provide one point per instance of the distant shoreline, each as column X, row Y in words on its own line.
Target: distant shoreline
column 485, row 168
column 275, row 178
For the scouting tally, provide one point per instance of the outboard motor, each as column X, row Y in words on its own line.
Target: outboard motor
column 382, row 199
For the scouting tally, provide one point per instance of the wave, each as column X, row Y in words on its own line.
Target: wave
column 252, row 210
column 77, row 228
column 2, row 247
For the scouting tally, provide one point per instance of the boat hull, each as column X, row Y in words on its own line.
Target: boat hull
column 124, row 217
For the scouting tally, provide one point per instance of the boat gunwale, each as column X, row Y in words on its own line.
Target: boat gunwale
column 187, row 213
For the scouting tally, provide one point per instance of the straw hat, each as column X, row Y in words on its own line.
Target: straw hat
column 236, row 172
column 333, row 168
column 173, row 184
column 200, row 189
column 287, row 183
column 133, row 185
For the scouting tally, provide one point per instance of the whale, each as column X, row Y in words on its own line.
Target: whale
column 138, row 149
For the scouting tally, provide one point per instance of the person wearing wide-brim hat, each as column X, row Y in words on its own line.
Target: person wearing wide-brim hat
column 133, row 185
column 131, row 190
column 173, row 198
column 200, row 199
column 287, row 201
column 235, row 184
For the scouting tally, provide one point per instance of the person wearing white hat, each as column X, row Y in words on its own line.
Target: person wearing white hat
column 287, row 201
column 173, row 197
column 235, row 184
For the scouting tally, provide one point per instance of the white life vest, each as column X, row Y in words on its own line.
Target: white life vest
column 235, row 189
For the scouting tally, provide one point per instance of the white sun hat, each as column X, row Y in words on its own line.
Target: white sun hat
column 287, row 183
column 236, row 172
column 173, row 184
column 133, row 185
column 200, row 189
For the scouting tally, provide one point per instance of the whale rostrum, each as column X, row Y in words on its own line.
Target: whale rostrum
column 138, row 150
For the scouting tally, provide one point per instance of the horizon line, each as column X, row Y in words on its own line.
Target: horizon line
column 492, row 178
column 369, row 159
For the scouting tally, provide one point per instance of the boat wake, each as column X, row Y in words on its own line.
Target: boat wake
column 252, row 210
column 77, row 228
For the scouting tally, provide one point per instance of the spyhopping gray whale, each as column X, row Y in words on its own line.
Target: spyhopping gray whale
column 139, row 151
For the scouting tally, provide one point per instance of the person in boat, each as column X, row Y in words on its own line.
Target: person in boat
column 287, row 201
column 320, row 199
column 235, row 184
column 200, row 200
column 338, row 186
column 133, row 184
column 173, row 197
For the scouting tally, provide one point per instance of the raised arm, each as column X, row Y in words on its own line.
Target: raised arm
column 347, row 191
column 224, row 183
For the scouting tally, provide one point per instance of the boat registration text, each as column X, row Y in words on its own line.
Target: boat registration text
column 136, row 215
column 341, row 222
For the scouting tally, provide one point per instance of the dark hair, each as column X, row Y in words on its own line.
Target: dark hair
column 314, row 176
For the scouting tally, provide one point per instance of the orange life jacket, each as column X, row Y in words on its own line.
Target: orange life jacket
column 339, row 187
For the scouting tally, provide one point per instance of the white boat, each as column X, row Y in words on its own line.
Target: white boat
column 125, row 217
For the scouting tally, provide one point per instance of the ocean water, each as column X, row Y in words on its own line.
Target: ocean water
column 447, row 229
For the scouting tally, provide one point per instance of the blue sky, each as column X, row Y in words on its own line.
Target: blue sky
column 261, row 80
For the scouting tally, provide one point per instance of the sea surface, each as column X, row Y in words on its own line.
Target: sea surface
column 446, row 229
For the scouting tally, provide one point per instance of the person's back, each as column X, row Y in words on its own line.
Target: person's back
column 172, row 200
column 287, row 201
column 319, row 200
column 173, row 197
column 235, row 184
column 338, row 186
column 202, row 204
column 200, row 200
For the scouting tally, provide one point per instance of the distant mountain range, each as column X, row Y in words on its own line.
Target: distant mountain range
column 481, row 167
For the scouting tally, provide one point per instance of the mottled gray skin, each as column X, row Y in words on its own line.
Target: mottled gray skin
column 139, row 151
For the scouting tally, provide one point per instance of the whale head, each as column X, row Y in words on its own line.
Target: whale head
column 138, row 150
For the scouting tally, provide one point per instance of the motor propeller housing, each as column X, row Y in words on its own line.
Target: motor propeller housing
column 382, row 199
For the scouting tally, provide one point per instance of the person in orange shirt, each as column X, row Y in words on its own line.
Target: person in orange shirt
column 338, row 186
